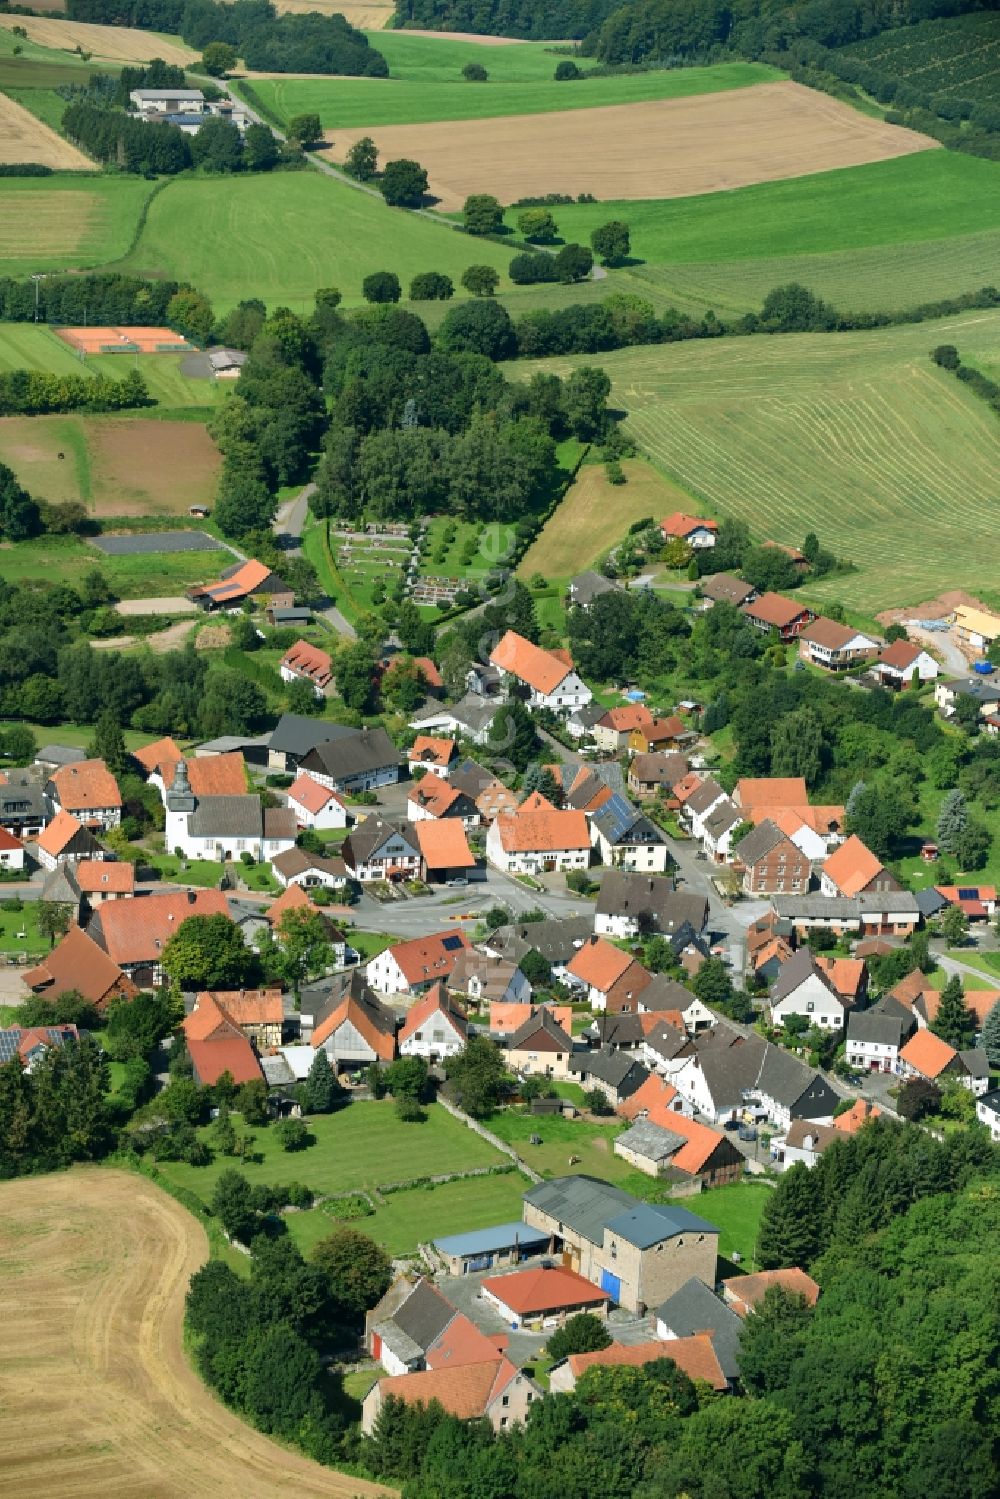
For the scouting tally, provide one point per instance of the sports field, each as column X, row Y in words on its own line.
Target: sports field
column 99, row 1396
column 114, row 43
column 65, row 223
column 426, row 84
column 281, row 237
column 595, row 515
column 857, row 436
column 23, row 138
column 115, row 465
column 34, row 346
column 670, row 148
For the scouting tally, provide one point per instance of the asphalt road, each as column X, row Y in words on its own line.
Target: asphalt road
column 288, row 525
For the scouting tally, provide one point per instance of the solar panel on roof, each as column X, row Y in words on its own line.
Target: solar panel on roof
column 968, row 892
column 451, row 943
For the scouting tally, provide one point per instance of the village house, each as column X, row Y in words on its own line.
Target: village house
column 695, row 1311
column 258, row 1013
column 537, row 838
column 680, row 1150
column 659, row 735
column 244, row 580
column 24, row 807
column 611, row 731
column 596, row 967
column 294, row 736
column 427, row 752
column 444, row 848
column 728, row 1073
column 976, row 628
column 486, row 980
column 725, row 588
column 835, row 647
column 616, row 1074
column 78, row 963
column 698, row 532
column 361, row 760
column 99, row 880
column 718, row 830
column 434, row 1028
column 580, row 723
column 982, row 688
column 134, row 933
column 65, row 840
column 491, row 1389
column 626, row 838
column 434, row 797
column 802, row 1142
column 904, row 663
column 631, row 904
column 874, row 1040
column 557, row 940
column 432, row 678
column 588, row 789
column 745, row 1292
column 771, row 862
column 293, row 898
column 815, row 831
column 207, row 775
column 655, row 774
column 413, row 967
column 695, row 1356
column 11, row 852
column 802, row 988
column 316, row 806
column 543, row 1298
column 852, row 869
column 848, row 976
column 303, row 662
column 296, row 866
column 926, row 1056
column 31, row 1044
column 471, row 718
column 89, row 791
column 540, row 1046
column 988, row 1112
column 638, row 1252
column 488, row 1248
column 891, row 913
column 217, row 1043
column 505, row 1017
column 665, row 1049
column 777, row 616
column 350, row 1024
column 697, row 807
column 976, row 902
column 664, row 996
column 377, row 850
column 549, row 675
column 856, row 1117
column 489, row 793
column 588, row 586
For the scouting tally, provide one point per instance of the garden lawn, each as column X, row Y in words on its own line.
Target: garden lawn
column 281, row 237
column 417, row 97
column 370, row 944
column 736, row 1212
column 363, row 1145
column 856, row 436
column 561, row 1138
column 77, row 734
column 14, row 922
column 405, row 1219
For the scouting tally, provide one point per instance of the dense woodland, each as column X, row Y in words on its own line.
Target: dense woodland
column 291, row 43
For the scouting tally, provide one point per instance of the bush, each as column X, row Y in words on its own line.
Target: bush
column 292, row 1134
column 530, row 269
column 381, row 287
column 475, row 72
column 431, row 286
column 566, row 71
column 583, row 1333
column 481, row 280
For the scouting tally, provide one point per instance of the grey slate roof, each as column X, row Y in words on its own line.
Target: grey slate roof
column 759, row 842
column 623, row 825
column 227, row 743
column 623, row 893
column 226, row 817
column 664, row 770
column 651, row 1141
column 588, row 1206
column 844, row 907
column 294, row 734
column 667, row 1040
column 588, row 715
column 23, row 797
column 799, row 967
column 54, row 755
column 424, row 1315
column 356, row 753
column 622, row 1030
column 663, row 993
column 619, row 1070
column 542, row 1020
column 60, row 885
column 877, row 1028
column 707, row 795
column 726, row 589
column 279, row 822
column 556, row 940
column 930, row 902
column 590, row 585
column 365, row 840
column 296, row 861
column 693, row 1309
column 726, row 815
column 975, row 1062
column 471, row 777
column 991, row 1100
column 732, row 1065
column 472, row 712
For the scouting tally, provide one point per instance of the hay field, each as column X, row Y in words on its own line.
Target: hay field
column 60, row 224
column 674, row 148
column 99, row 1398
column 25, row 138
column 856, row 436
column 366, row 17
column 115, row 465
column 595, row 515
column 116, row 43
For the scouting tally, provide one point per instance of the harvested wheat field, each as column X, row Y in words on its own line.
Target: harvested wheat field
column 114, row 43
column 25, row 138
column 98, row 1398
column 669, row 148
column 366, row 17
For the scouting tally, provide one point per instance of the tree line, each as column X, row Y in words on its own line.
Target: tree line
column 35, row 392
column 289, row 43
column 106, row 297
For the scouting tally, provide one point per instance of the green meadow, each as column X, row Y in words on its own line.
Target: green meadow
column 67, row 222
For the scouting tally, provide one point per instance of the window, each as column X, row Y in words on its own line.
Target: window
column 614, row 1250
column 503, row 1420
column 505, row 1400
column 810, row 1006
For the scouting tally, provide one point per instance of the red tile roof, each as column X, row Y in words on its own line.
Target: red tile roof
column 542, row 670
column 743, row 1292
column 774, row 609
column 536, row 827
column 210, row 775
column 433, row 794
column 443, row 843
column 927, row 1054
column 430, row 957
column 771, row 791
column 901, row 654
column 86, row 786
column 624, row 720
column 311, row 795
column 8, row 841
column 153, row 755
column 695, row 1356
column 429, row 671
column 246, row 578
column 309, row 662
column 859, row 1114
column 537, row 1291
column 137, row 931
column 599, row 963
column 59, row 833
column 465, row 1391
column 78, row 963
column 246, row 1006
column 428, row 750
column 463, row 1343
column 434, row 1001
column 682, row 525
column 102, row 877
column 847, row 975
column 852, row 866
column 232, row 1054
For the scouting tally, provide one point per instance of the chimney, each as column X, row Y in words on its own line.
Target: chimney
column 191, row 897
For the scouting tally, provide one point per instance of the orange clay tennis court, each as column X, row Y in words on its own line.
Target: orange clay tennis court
column 105, row 340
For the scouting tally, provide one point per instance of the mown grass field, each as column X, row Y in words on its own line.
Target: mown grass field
column 64, row 559
column 520, row 83
column 67, row 222
column 595, row 515
column 857, row 436
column 363, row 1145
column 406, row 1219
column 281, row 237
